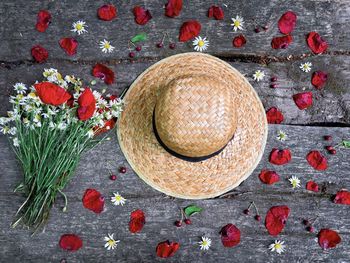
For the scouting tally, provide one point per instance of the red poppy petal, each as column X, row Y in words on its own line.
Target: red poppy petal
column 230, row 235
column 107, row 12
column 137, row 221
column 70, row 242
column 52, row 94
column 269, row 177
column 342, row 197
column 39, row 53
column 317, row 160
column 93, row 200
column 189, row 30
column 87, row 105
column 319, row 79
column 239, row 41
column 142, row 16
column 43, row 20
column 280, row 157
column 274, row 116
column 167, row 249
column 109, row 125
column 281, row 42
column 216, row 12
column 328, row 238
column 287, row 22
column 173, row 8
column 303, row 100
column 69, row 45
column 104, row 73
column 316, row 43
column 276, row 219
column 312, row 186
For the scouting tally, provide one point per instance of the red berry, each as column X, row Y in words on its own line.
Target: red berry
column 273, row 86
column 257, row 217
column 132, row 54
column 172, row 45
column 327, row 138
column 160, row 45
column 113, row 177
column 310, row 229
column 187, row 221
column 273, row 79
column 257, row 30
column 178, row 223
column 246, row 211
column 306, row 222
column 329, row 148
column 333, row 151
column 138, row 48
column 122, row 170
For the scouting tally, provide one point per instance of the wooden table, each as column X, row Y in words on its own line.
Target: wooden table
column 330, row 115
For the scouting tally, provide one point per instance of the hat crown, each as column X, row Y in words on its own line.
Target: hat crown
column 195, row 116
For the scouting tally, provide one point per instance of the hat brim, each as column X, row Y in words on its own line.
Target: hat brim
column 180, row 178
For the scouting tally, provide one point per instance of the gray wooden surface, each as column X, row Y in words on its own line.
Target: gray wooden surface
column 330, row 114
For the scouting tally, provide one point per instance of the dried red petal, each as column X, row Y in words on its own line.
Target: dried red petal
column 69, row 45
column 276, row 219
column 281, row 42
column 70, row 242
column 173, row 8
column 93, row 200
column 103, row 72
column 107, row 12
column 239, row 41
column 142, row 16
column 317, row 160
column 39, row 53
column 316, row 43
column 274, row 116
column 137, row 221
column 287, row 22
column 189, row 30
column 303, row 100
column 312, row 186
column 328, row 238
column 43, row 20
column 167, row 249
column 216, row 12
column 269, row 177
column 280, row 157
column 230, row 235
column 342, row 197
column 319, row 79
column 52, row 94
column 87, row 105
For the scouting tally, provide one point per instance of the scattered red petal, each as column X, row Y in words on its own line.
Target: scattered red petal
column 281, row 42
column 39, row 53
column 312, row 186
column 189, row 30
column 276, row 218
column 303, row 100
column 167, row 249
column 173, row 8
column 108, row 126
column 317, row 160
column 137, row 221
column 274, row 116
column 69, row 45
column 93, row 200
column 342, row 197
column 107, row 12
column 287, row 22
column 319, row 79
column 230, row 235
column 316, row 43
column 216, row 12
column 269, row 177
column 142, row 16
column 239, row 41
column 70, row 242
column 43, row 20
column 102, row 72
column 280, row 157
column 87, row 105
column 52, row 94
column 328, row 238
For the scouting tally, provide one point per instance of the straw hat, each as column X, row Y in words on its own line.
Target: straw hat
column 192, row 127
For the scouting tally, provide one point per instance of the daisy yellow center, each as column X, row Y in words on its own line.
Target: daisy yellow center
column 107, row 45
column 32, row 95
column 278, row 246
column 111, row 242
column 118, row 197
column 79, row 26
column 204, row 243
column 201, row 43
column 294, row 183
column 237, row 23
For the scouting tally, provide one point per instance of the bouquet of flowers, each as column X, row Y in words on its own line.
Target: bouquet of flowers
column 51, row 124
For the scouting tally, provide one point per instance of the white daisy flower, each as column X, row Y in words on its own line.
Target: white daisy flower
column 306, row 67
column 277, row 246
column 79, row 27
column 90, row 133
column 200, row 44
column 111, row 243
column 62, row 126
column 13, row 131
column 205, row 243
column 4, row 129
column 294, row 181
column 4, row 120
column 20, row 88
column 237, row 23
column 106, row 46
column 281, row 136
column 15, row 142
column 258, row 75
column 117, row 199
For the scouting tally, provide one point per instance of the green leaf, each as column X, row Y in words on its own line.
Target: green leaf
column 346, row 144
column 139, row 37
column 192, row 209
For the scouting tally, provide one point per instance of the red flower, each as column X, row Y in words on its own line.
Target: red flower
column 39, row 53
column 107, row 126
column 87, row 105
column 216, row 12
column 189, row 30
column 43, row 20
column 102, row 72
column 137, row 221
column 70, row 242
column 316, row 43
column 167, row 249
column 142, row 16
column 317, row 160
column 342, row 197
column 173, row 8
column 93, row 200
column 287, row 22
column 280, row 157
column 303, row 100
column 107, row 12
column 230, row 235
column 69, row 45
column 269, row 177
column 276, row 219
column 312, row 186
column 318, row 79
column 239, row 41
column 328, row 238
column 274, row 116
column 281, row 42
column 52, row 94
